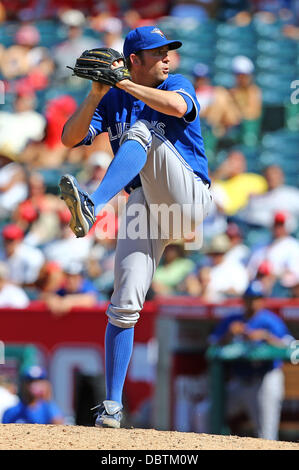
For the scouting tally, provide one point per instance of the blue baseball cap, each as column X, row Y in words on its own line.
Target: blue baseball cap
column 147, row 37
column 200, row 70
column 254, row 290
column 34, row 372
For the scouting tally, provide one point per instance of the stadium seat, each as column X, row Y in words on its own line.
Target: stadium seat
column 286, row 159
column 274, row 80
column 51, row 176
column 274, row 97
column 267, row 30
column 77, row 93
column 279, row 291
column 270, row 158
column 91, row 33
column 278, row 150
column 7, row 33
column 166, row 23
column 273, row 117
column 250, row 132
column 198, row 54
column 229, row 8
column 292, row 116
column 233, row 48
column 9, row 101
column 43, row 96
column 210, row 144
column 187, row 64
column 291, row 178
column 186, row 30
column 255, row 237
column 230, row 31
column 5, row 39
column 197, row 37
column 252, row 154
column 284, row 137
column 50, row 33
column 273, row 64
column 225, row 79
column 41, row 100
column 286, row 48
column 223, row 62
column 234, row 40
column 275, row 86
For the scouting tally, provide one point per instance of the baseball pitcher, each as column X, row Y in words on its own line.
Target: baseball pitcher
column 152, row 120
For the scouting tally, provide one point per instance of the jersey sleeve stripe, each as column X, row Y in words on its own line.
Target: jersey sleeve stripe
column 93, row 132
column 183, row 92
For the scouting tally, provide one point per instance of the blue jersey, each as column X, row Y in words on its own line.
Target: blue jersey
column 119, row 110
column 263, row 319
column 43, row 412
column 85, row 287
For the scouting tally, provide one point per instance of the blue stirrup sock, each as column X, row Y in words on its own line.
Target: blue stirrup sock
column 118, row 352
column 127, row 163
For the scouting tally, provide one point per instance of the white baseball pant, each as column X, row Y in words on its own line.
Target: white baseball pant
column 261, row 398
column 166, row 179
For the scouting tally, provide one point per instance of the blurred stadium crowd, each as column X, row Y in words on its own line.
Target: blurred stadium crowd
column 242, row 57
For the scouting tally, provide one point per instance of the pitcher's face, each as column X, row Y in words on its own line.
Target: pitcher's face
column 151, row 68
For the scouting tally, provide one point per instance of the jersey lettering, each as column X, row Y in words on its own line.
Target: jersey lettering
column 120, row 127
column 118, row 111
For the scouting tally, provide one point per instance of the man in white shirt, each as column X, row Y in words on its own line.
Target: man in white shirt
column 279, row 197
column 13, row 187
column 282, row 253
column 67, row 248
column 238, row 250
column 11, row 296
column 24, row 122
column 228, row 277
column 8, row 396
column 66, row 52
column 23, row 261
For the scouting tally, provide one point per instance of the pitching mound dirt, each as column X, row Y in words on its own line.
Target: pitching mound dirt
column 44, row 437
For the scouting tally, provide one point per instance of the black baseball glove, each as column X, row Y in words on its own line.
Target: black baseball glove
column 97, row 65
